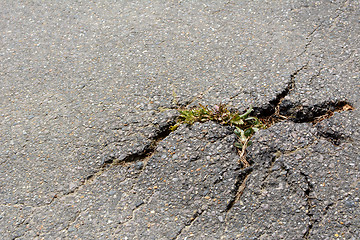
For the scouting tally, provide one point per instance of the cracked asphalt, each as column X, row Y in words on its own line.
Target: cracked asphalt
column 89, row 90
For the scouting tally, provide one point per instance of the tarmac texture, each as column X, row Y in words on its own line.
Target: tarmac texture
column 89, row 90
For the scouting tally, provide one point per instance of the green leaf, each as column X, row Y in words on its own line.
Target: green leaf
column 236, row 120
column 237, row 131
column 243, row 137
column 246, row 113
column 248, row 132
column 238, row 145
column 255, row 121
column 240, row 133
column 251, row 118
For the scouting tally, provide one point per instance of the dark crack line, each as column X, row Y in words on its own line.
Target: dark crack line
column 186, row 104
column 310, row 39
column 272, row 162
column 313, row 77
column 315, row 113
column 72, row 220
column 239, row 187
column 305, row 113
column 278, row 110
column 26, row 223
column 308, row 192
column 291, row 85
column 335, row 138
column 111, row 161
column 272, row 108
column 272, row 112
column 327, row 207
column 278, row 154
column 188, row 224
column 315, row 29
column 136, row 208
column 310, row 35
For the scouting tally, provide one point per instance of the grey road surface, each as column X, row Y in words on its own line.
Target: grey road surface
column 89, row 89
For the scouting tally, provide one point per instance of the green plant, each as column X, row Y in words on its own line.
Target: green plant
column 244, row 124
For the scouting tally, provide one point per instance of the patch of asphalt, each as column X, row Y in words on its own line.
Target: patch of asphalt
column 193, row 174
column 332, row 74
column 297, row 178
column 264, row 70
column 132, row 118
column 175, row 186
column 113, row 158
column 190, row 186
column 66, row 83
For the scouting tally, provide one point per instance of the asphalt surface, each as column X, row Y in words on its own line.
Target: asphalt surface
column 89, row 90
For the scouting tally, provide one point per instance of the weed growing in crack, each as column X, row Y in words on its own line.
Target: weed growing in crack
column 245, row 125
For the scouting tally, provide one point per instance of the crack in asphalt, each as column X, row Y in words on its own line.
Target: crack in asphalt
column 199, row 96
column 310, row 34
column 314, row 113
column 272, row 109
column 310, row 39
column 239, row 187
column 271, row 165
column 327, row 207
column 188, row 224
column 72, row 220
column 111, row 161
column 334, row 138
column 309, row 213
column 272, row 114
